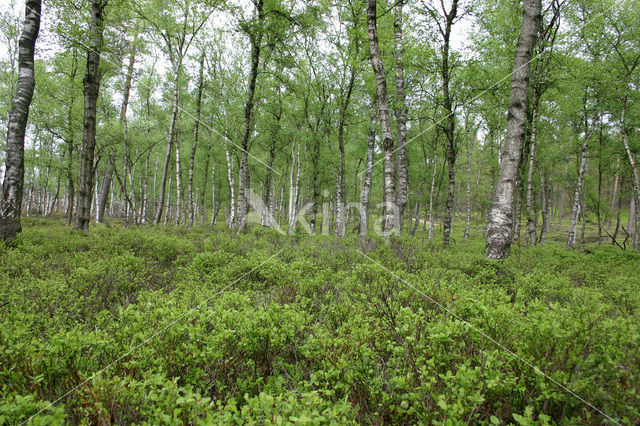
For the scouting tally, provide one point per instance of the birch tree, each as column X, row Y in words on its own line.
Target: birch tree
column 91, row 81
column 13, row 181
column 389, row 187
column 499, row 228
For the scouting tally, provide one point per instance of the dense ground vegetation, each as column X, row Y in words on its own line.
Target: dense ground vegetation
column 184, row 326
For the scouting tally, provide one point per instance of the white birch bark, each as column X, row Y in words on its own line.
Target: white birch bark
column 499, row 228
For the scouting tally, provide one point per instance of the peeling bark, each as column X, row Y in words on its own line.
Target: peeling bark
column 389, row 221
column 13, row 183
column 401, row 114
column 499, row 228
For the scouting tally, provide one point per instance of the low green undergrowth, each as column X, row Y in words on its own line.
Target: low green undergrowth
column 176, row 326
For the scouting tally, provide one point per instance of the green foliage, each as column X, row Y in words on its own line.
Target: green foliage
column 181, row 327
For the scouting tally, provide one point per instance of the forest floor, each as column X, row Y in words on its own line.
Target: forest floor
column 172, row 326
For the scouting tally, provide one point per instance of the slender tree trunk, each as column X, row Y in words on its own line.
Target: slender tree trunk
column 615, row 192
column 618, row 212
column 91, row 91
column 434, row 173
column 498, row 240
column 584, row 224
column 231, row 220
column 292, row 206
column 170, row 140
column 144, row 197
column 531, row 227
column 168, row 212
column 126, row 162
column 632, row 216
column 178, row 181
column 243, row 181
column 368, row 171
column 634, row 168
column 131, row 200
column 416, row 222
column 30, row 200
column 467, row 224
column 214, row 207
column 562, row 199
column 203, row 207
column 389, row 222
column 266, row 219
column 111, row 208
column 341, row 191
column 450, row 126
column 315, row 183
column 196, row 127
column 545, row 184
column 13, row 183
column 52, row 203
column 296, row 197
column 401, row 114
column 599, row 195
column 104, row 190
column 577, row 199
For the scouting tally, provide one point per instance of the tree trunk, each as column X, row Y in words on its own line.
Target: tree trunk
column 296, row 196
column 467, row 224
column 577, row 199
column 214, row 208
column 315, row 182
column 634, row 168
column 584, row 224
column 531, row 227
column 434, row 173
column 292, row 206
column 91, row 91
column 401, row 114
column 243, row 181
column 178, row 181
column 170, row 140
column 498, row 240
column 104, row 190
column 144, row 197
column 54, row 199
column 231, row 220
column 563, row 198
column 196, row 127
column 266, row 219
column 545, row 184
column 168, row 212
column 615, row 192
column 129, row 209
column 13, row 183
column 618, row 212
column 632, row 215
column 389, row 221
column 366, row 185
column 450, row 126
column 341, row 191
column 203, row 192
column 416, row 222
